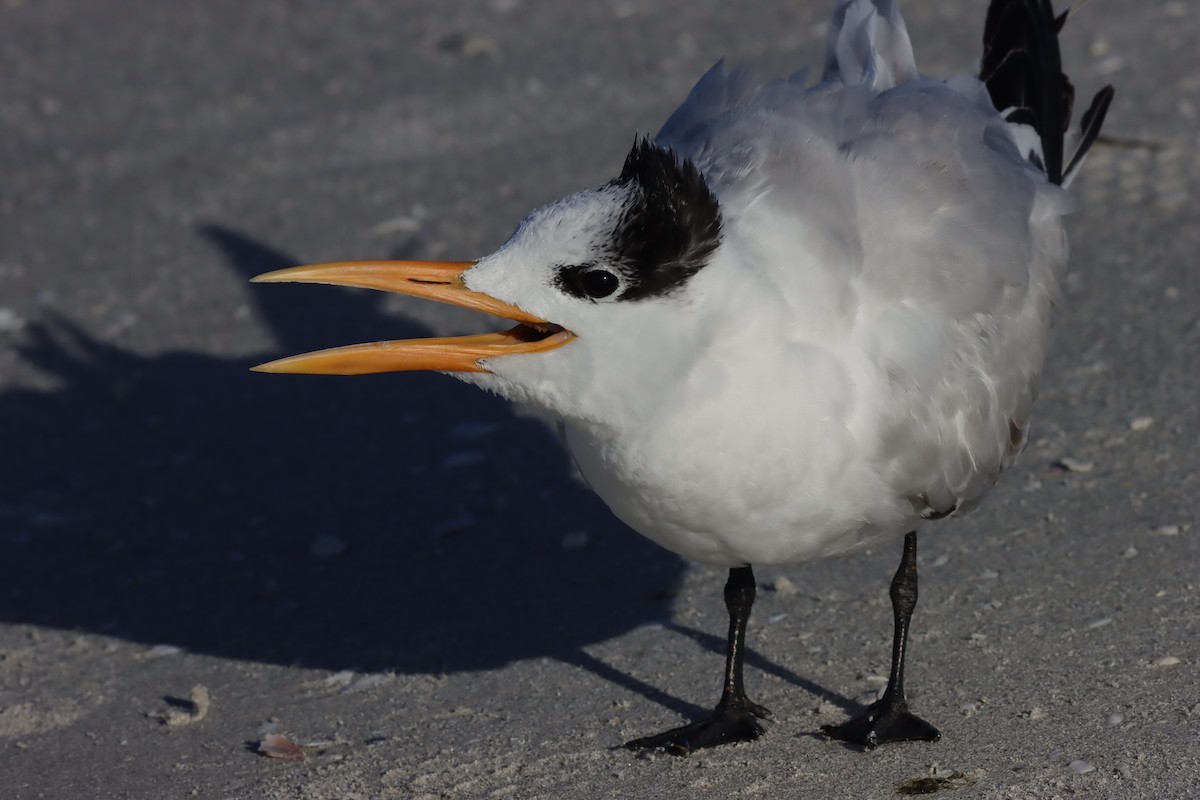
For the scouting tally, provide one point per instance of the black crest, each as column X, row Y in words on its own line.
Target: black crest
column 670, row 225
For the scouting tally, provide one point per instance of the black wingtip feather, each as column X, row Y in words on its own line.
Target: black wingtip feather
column 1090, row 124
column 1061, row 20
column 1022, row 69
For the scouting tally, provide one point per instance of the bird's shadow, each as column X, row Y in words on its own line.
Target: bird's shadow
column 176, row 499
column 398, row 522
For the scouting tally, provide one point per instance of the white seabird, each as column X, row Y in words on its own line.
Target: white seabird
column 805, row 318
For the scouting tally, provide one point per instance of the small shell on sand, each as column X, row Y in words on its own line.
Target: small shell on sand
column 276, row 745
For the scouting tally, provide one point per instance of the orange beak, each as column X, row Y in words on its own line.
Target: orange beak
column 436, row 280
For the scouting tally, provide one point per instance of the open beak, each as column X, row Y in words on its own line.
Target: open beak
column 436, row 280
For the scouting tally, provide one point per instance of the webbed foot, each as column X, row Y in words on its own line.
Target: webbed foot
column 884, row 721
column 729, row 723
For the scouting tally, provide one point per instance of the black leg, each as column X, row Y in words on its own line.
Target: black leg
column 736, row 718
column 888, row 718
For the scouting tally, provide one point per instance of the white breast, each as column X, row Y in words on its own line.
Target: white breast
column 752, row 459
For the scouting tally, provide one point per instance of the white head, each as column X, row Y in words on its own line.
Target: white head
column 614, row 265
column 601, row 282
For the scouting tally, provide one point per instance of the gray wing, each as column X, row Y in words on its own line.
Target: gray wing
column 931, row 231
column 866, row 43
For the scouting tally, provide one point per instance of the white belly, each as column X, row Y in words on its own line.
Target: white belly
column 821, row 452
column 768, row 476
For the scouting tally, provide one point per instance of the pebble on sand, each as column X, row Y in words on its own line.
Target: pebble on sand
column 163, row 650
column 1075, row 464
column 784, row 587
column 194, row 710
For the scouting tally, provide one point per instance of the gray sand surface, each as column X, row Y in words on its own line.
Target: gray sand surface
column 400, row 574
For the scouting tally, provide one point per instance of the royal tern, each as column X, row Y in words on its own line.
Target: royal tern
column 805, row 318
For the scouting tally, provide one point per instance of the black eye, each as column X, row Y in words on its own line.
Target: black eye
column 597, row 283
column 587, row 281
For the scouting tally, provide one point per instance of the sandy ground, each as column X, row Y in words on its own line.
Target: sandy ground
column 400, row 574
